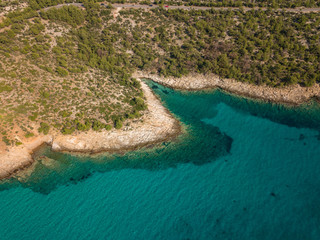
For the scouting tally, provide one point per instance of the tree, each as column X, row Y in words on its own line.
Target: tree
column 44, row 128
column 118, row 124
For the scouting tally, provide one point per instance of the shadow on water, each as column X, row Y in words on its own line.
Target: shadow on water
column 201, row 144
column 53, row 169
column 304, row 116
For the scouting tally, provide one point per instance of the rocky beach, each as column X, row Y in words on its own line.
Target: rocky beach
column 294, row 95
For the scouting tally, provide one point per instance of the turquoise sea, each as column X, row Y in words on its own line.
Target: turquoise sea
column 244, row 170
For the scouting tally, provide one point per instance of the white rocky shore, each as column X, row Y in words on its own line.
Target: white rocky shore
column 156, row 125
column 291, row 95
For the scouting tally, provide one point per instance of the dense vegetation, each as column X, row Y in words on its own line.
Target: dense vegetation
column 255, row 46
column 69, row 68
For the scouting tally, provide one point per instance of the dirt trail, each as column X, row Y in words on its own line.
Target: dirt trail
column 138, row 6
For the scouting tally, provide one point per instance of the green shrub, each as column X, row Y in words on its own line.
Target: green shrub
column 65, row 113
column 67, row 131
column 44, row 128
column 6, row 140
column 5, row 88
column 97, row 125
column 34, row 116
column 118, row 124
column 29, row 135
column 62, row 72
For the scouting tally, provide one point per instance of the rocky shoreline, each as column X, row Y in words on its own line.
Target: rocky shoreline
column 157, row 125
column 294, row 95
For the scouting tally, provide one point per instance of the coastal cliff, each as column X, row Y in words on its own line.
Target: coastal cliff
column 294, row 95
column 156, row 125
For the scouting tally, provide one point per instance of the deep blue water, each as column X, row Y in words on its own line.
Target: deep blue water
column 244, row 170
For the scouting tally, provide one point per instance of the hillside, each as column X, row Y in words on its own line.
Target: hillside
column 69, row 68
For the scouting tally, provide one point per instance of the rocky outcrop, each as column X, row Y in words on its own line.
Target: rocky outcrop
column 20, row 157
column 291, row 95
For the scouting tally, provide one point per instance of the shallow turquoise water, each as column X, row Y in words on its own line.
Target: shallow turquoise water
column 244, row 170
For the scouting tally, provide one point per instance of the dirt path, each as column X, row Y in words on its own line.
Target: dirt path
column 138, row 6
